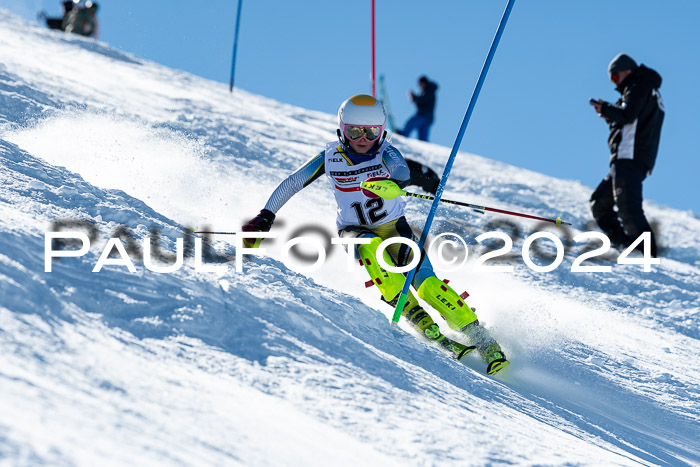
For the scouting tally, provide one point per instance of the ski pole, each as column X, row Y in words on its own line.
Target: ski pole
column 210, row 232
column 246, row 242
column 214, row 233
column 438, row 194
column 387, row 189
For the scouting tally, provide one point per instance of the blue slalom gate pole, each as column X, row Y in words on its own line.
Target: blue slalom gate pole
column 235, row 44
column 453, row 154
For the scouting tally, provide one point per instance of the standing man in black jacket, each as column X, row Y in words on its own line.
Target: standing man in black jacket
column 635, row 129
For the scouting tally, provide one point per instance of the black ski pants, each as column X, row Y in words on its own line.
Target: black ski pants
column 622, row 188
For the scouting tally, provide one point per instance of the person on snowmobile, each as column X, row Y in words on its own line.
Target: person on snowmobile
column 82, row 20
column 365, row 153
column 57, row 23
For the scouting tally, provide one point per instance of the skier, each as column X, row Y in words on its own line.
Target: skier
column 364, row 153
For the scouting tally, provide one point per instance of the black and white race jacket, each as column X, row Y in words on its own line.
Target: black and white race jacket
column 346, row 171
column 635, row 119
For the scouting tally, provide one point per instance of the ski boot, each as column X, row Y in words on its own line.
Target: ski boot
column 487, row 347
column 461, row 317
column 458, row 350
column 496, row 359
column 424, row 324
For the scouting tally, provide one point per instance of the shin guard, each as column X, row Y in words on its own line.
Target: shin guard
column 424, row 324
column 446, row 301
column 388, row 283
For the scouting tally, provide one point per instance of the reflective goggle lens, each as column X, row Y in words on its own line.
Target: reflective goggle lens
column 369, row 132
column 615, row 78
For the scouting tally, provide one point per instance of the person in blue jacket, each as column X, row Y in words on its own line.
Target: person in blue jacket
column 425, row 109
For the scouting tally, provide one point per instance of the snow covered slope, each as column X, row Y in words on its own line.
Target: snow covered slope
column 273, row 367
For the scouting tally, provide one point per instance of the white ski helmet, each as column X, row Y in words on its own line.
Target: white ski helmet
column 361, row 110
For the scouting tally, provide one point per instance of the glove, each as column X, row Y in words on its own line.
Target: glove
column 389, row 188
column 368, row 193
column 260, row 223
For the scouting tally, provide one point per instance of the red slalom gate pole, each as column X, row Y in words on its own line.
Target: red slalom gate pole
column 374, row 68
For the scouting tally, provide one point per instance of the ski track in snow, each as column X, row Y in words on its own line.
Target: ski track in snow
column 275, row 367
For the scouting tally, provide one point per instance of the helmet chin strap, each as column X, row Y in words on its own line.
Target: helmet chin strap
column 383, row 138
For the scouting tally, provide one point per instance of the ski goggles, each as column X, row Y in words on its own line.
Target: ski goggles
column 370, row 133
column 615, row 78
